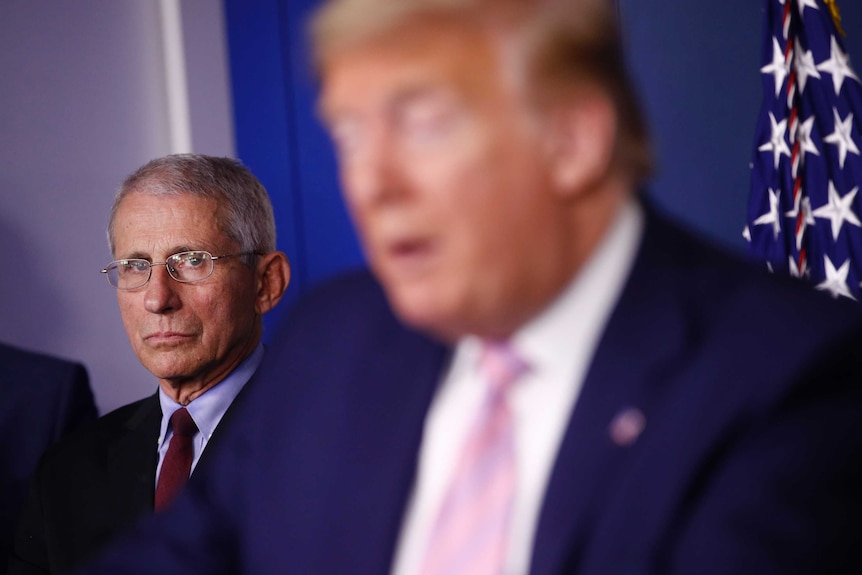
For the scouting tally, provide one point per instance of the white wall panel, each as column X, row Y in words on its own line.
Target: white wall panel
column 82, row 104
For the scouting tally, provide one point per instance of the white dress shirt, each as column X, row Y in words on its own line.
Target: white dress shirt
column 558, row 345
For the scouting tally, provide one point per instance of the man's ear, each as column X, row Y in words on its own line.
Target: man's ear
column 273, row 276
column 582, row 133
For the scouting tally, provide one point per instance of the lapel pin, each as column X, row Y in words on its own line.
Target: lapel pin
column 627, row 426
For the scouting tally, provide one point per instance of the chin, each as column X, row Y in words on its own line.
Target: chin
column 162, row 368
column 425, row 311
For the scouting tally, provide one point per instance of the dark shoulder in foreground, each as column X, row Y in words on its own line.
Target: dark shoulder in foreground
column 24, row 368
column 718, row 282
column 31, row 360
column 355, row 294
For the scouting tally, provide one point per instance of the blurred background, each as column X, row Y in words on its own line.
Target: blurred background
column 89, row 91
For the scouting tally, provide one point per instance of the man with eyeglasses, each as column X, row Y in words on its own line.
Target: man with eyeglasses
column 195, row 270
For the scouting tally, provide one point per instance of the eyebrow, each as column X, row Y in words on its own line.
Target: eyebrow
column 413, row 94
column 140, row 255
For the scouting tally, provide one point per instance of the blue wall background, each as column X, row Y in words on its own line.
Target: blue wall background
column 697, row 65
column 280, row 139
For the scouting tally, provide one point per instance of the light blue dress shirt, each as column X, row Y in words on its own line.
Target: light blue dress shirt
column 208, row 409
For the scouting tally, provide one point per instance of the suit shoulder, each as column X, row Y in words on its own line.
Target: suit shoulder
column 25, row 362
column 352, row 299
column 720, row 282
column 49, row 395
column 92, row 439
column 350, row 290
column 765, row 336
column 45, row 377
column 129, row 413
column 336, row 331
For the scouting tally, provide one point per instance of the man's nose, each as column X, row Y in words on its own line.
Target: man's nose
column 161, row 291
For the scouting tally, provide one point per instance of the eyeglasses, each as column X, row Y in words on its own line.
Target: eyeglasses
column 185, row 267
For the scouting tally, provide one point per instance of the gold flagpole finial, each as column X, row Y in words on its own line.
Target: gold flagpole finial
column 836, row 14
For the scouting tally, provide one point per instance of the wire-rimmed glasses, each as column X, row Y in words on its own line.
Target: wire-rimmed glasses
column 184, row 267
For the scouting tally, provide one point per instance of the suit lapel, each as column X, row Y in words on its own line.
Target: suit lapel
column 644, row 335
column 393, row 423
column 131, row 463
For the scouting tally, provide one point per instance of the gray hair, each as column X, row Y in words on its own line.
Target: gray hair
column 245, row 211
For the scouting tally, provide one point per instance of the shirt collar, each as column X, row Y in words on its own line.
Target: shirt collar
column 208, row 409
column 579, row 313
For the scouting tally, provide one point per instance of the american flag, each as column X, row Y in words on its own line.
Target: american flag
column 805, row 209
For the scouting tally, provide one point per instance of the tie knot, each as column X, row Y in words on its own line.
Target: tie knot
column 501, row 365
column 182, row 423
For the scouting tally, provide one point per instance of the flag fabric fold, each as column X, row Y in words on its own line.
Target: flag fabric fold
column 805, row 207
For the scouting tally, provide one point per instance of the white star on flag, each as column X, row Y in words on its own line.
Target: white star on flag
column 838, row 210
column 803, row 4
column 838, row 65
column 779, row 67
column 804, row 64
column 795, row 271
column 777, row 144
column 772, row 216
column 803, row 136
column 842, row 138
column 803, row 203
column 836, row 280
column 818, row 187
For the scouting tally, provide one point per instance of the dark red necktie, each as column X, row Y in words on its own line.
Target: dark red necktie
column 177, row 464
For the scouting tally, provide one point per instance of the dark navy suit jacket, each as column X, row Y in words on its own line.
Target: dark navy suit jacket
column 750, row 460
column 41, row 399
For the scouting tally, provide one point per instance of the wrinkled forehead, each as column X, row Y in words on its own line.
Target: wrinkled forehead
column 144, row 206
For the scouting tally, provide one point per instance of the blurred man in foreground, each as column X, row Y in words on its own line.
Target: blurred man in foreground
column 550, row 377
column 196, row 270
column 42, row 398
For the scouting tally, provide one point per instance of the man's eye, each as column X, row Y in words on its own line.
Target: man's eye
column 425, row 119
column 428, row 119
column 135, row 266
column 189, row 260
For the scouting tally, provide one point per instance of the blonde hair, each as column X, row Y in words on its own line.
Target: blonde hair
column 567, row 44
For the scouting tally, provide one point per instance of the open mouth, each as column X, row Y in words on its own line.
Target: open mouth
column 410, row 255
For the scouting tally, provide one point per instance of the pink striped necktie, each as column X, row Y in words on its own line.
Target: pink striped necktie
column 471, row 533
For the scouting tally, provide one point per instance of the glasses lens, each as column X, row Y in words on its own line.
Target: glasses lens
column 128, row 274
column 190, row 266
